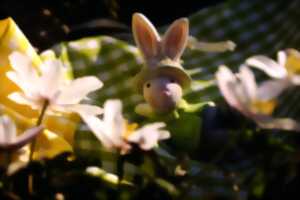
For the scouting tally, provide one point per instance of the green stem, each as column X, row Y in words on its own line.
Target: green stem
column 6, row 179
column 39, row 122
column 157, row 164
column 32, row 146
column 120, row 170
column 7, row 156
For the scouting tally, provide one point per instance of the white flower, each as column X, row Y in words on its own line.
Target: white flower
column 241, row 92
column 193, row 43
column 8, row 135
column 49, row 84
column 285, row 71
column 148, row 136
column 115, row 133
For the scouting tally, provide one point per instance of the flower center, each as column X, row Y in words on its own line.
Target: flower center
column 263, row 107
column 129, row 129
column 293, row 64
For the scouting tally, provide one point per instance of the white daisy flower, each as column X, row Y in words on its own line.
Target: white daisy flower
column 285, row 71
column 49, row 85
column 116, row 134
column 241, row 92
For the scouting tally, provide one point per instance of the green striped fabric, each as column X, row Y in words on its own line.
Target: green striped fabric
column 257, row 27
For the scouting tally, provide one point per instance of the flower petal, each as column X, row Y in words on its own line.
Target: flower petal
column 223, row 46
column 20, row 98
column 295, row 79
column 99, row 129
column 281, row 57
column 148, row 136
column 25, row 87
column 267, row 65
column 23, row 139
column 23, row 67
column 78, row 89
column 8, row 132
column 2, row 133
column 279, row 123
column 269, row 90
column 248, row 81
column 114, row 120
column 84, row 109
column 230, row 89
column 52, row 77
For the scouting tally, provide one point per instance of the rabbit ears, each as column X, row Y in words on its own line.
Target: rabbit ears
column 152, row 46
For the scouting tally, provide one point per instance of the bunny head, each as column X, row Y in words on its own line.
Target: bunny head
column 162, row 79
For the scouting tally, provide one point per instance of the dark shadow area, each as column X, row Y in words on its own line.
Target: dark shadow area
column 48, row 22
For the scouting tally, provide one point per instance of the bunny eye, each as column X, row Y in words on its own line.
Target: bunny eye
column 148, row 85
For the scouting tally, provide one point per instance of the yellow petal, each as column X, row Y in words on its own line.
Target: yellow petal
column 64, row 127
column 49, row 145
column 12, row 39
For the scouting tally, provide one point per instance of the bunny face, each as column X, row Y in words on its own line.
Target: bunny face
column 162, row 93
column 162, row 79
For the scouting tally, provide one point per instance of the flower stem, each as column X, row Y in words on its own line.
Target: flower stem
column 6, row 178
column 7, row 156
column 39, row 122
column 32, row 146
column 120, row 170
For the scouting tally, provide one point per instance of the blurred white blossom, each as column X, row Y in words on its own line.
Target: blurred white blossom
column 49, row 85
column 241, row 92
column 285, row 72
column 223, row 46
column 116, row 134
column 8, row 135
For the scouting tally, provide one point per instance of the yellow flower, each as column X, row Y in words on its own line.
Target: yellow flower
column 12, row 39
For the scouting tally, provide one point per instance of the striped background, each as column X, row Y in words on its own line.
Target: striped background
column 257, row 27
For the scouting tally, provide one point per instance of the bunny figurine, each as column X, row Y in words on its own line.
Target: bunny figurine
column 163, row 79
